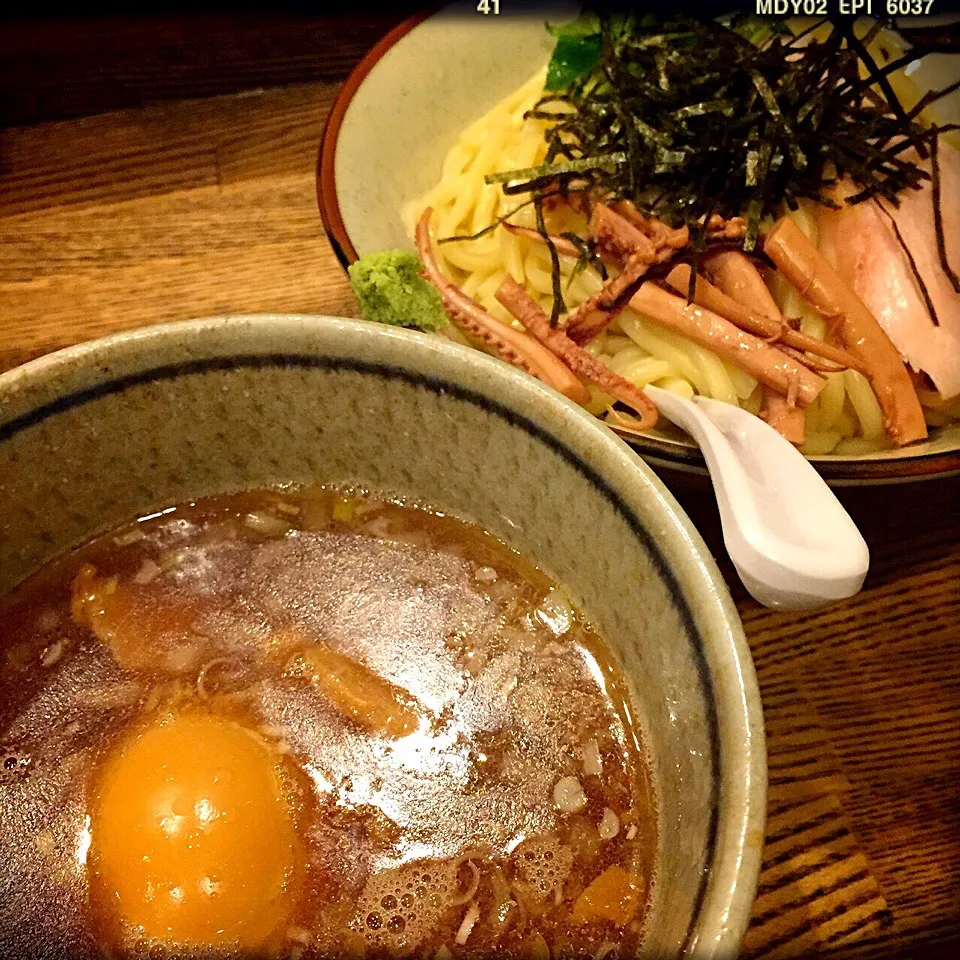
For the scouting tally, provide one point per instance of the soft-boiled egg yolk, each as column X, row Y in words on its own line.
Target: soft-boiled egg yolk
column 193, row 843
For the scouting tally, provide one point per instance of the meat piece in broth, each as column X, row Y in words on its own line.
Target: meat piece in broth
column 143, row 629
column 614, row 896
column 360, row 695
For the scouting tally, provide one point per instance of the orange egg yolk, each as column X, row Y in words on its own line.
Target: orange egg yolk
column 193, row 843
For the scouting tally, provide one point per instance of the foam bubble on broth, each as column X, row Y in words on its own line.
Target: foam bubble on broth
column 400, row 906
column 543, row 865
column 507, row 701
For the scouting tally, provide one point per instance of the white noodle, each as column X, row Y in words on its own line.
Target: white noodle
column 471, row 890
column 469, row 920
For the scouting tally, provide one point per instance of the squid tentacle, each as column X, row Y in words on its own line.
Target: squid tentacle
column 526, row 310
column 513, row 345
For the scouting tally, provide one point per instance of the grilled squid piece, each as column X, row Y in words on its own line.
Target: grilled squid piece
column 773, row 331
column 640, row 248
column 822, row 286
column 717, row 227
column 622, row 237
column 522, row 306
column 739, row 279
column 513, row 345
column 563, row 245
column 763, row 362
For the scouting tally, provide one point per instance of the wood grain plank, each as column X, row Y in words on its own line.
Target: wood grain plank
column 83, row 240
column 155, row 237
column 931, row 944
column 51, row 70
column 816, row 884
column 114, row 278
column 221, row 282
column 876, row 676
column 162, row 148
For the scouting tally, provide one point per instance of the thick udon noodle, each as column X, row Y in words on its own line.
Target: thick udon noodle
column 845, row 419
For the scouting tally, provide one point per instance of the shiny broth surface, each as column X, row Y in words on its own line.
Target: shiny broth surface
column 310, row 723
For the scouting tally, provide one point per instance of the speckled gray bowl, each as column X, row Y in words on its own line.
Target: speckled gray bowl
column 97, row 434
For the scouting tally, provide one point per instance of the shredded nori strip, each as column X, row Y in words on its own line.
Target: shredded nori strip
column 552, row 170
column 558, row 303
column 589, row 257
column 875, row 74
column 489, row 227
column 686, row 117
column 931, row 96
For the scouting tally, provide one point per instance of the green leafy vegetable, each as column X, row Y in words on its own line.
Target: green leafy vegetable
column 573, row 57
column 586, row 25
column 391, row 290
column 578, row 47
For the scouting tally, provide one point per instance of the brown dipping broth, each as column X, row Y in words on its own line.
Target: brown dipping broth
column 448, row 840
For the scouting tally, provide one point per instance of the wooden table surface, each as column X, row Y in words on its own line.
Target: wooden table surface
column 189, row 207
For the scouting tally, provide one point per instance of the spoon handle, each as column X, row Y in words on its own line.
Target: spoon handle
column 792, row 542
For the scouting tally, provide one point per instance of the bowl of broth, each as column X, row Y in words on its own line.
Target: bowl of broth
column 320, row 638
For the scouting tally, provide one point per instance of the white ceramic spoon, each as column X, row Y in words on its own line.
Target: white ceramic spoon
column 793, row 544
